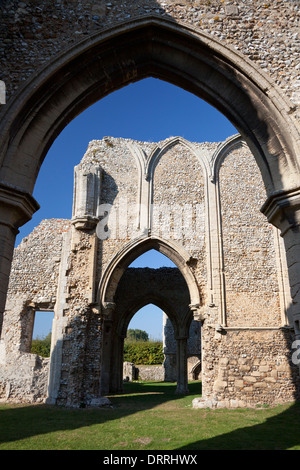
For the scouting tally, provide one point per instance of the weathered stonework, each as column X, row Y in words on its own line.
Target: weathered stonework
column 265, row 32
column 197, row 203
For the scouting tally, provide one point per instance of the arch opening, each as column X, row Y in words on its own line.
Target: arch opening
column 176, row 253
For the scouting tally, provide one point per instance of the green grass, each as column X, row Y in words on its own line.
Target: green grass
column 149, row 416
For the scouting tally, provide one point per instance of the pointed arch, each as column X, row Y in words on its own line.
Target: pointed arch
column 158, row 152
column 110, row 59
column 114, row 271
column 139, row 302
column 150, row 46
column 235, row 141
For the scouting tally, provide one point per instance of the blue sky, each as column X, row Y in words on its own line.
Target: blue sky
column 149, row 110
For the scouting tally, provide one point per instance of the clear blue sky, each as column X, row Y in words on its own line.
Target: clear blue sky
column 149, row 110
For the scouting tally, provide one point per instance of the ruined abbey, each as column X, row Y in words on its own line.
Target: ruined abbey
column 227, row 214
column 197, row 203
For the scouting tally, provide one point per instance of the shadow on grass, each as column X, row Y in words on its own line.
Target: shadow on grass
column 24, row 421
column 146, row 395
column 279, row 431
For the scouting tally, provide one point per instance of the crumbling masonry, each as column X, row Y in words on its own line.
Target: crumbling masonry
column 242, row 57
column 197, row 203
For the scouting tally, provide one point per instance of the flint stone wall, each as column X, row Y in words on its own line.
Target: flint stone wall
column 251, row 334
column 267, row 33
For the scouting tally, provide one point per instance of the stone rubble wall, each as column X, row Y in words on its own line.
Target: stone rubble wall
column 151, row 373
column 178, row 181
column 247, row 368
column 35, row 266
column 33, row 286
column 267, row 33
column 249, row 243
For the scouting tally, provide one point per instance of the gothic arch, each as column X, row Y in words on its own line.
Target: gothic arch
column 164, row 287
column 158, row 152
column 231, row 143
column 160, row 302
column 137, row 304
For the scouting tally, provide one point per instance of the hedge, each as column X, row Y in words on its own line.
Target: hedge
column 144, row 352
column 41, row 346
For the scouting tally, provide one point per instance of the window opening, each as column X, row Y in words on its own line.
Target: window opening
column 42, row 330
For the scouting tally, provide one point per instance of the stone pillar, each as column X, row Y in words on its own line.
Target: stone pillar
column 283, row 211
column 116, row 375
column 87, row 193
column 106, row 356
column 16, row 208
column 182, row 380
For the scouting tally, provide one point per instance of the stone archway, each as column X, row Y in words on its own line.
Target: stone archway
column 174, row 52
column 138, row 49
column 137, row 287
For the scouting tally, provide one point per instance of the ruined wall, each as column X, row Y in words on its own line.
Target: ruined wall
column 249, row 243
column 33, row 286
column 36, row 262
column 267, row 33
column 33, row 281
column 179, row 204
column 245, row 352
column 117, row 190
column 247, row 368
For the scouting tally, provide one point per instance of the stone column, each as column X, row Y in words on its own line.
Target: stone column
column 182, row 379
column 106, row 355
column 16, row 208
column 283, row 211
column 116, row 379
column 108, row 337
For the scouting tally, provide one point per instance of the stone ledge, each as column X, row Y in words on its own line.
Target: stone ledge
column 201, row 403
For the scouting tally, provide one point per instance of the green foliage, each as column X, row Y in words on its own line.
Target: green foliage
column 137, row 335
column 146, row 353
column 41, row 346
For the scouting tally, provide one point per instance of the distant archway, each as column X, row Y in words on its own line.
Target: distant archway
column 111, row 59
column 124, row 291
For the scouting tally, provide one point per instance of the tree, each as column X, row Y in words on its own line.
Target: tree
column 137, row 335
column 41, row 346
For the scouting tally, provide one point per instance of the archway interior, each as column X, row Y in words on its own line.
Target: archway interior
column 150, row 317
column 153, row 298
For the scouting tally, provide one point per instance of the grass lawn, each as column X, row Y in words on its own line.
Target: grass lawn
column 149, row 416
